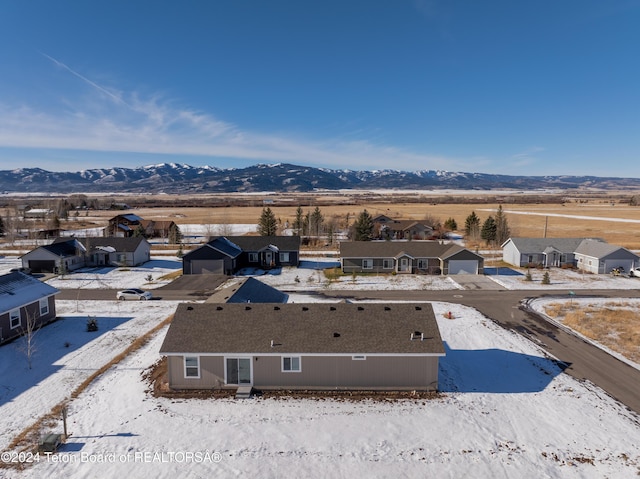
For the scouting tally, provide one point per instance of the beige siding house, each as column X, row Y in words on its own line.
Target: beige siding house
column 294, row 346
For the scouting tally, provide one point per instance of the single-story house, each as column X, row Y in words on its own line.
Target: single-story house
column 248, row 290
column 597, row 257
column 24, row 298
column 424, row 257
column 228, row 254
column 294, row 346
column 69, row 254
column 590, row 254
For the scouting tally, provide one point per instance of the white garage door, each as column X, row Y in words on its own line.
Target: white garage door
column 207, row 266
column 468, row 266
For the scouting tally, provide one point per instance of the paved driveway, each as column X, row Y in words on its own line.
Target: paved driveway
column 476, row 281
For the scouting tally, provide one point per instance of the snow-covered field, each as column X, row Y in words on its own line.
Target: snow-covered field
column 506, row 408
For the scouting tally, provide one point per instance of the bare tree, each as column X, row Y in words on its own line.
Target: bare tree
column 28, row 331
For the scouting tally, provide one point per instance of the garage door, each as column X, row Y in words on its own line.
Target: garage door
column 42, row 266
column 468, row 266
column 207, row 266
column 609, row 264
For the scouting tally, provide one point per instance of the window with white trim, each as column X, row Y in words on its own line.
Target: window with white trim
column 423, row 264
column 191, row 367
column 253, row 257
column 44, row 306
column 15, row 318
column 359, row 358
column 291, row 364
column 367, row 264
column 284, row 257
column 387, row 263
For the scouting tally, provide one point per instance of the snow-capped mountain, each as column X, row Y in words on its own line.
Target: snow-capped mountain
column 281, row 177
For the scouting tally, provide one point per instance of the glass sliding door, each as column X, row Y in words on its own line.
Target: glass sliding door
column 238, row 370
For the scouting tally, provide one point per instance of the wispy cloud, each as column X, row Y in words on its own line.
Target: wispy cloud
column 110, row 121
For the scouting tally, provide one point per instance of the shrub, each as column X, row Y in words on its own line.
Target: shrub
column 545, row 278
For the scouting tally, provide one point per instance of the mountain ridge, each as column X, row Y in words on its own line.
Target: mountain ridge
column 279, row 177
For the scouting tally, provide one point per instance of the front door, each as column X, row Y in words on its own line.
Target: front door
column 268, row 258
column 238, row 370
column 404, row 265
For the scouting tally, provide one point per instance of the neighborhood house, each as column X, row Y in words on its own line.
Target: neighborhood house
column 314, row 346
column 69, row 254
column 423, row 257
column 589, row 254
column 23, row 299
column 228, row 254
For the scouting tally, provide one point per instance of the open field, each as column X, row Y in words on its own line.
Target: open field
column 606, row 216
column 619, row 224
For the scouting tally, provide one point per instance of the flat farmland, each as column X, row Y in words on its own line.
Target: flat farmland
column 617, row 223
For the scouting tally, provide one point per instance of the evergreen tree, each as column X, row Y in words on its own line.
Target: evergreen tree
column 489, row 228
column 502, row 227
column 175, row 235
column 139, row 232
column 316, row 221
column 267, row 225
column 363, row 227
column 298, row 222
column 451, row 224
column 472, row 226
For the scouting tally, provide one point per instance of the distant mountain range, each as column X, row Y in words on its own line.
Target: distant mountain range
column 180, row 178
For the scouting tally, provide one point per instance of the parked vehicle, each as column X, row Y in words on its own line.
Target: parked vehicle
column 133, row 293
column 635, row 272
column 22, row 270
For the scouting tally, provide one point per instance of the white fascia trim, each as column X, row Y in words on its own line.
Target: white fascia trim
column 289, row 354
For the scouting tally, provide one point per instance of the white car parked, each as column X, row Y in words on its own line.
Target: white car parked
column 133, row 293
column 635, row 272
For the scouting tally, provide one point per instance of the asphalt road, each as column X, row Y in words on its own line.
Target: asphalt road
column 508, row 308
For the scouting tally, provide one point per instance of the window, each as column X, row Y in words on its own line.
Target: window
column 367, row 264
column 15, row 318
column 291, row 364
column 387, row 263
column 284, row 257
column 253, row 257
column 44, row 306
column 359, row 358
column 423, row 264
column 191, row 367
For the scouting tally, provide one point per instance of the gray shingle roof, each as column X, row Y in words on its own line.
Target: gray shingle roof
column 18, row 289
column 123, row 245
column 392, row 249
column 256, row 243
column 318, row 328
column 598, row 249
column 537, row 245
column 249, row 290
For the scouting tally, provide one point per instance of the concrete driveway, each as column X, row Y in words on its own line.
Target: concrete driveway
column 476, row 281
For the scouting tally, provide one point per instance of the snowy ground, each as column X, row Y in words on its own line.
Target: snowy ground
column 506, row 409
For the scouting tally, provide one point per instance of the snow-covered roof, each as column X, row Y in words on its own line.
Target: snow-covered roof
column 18, row 289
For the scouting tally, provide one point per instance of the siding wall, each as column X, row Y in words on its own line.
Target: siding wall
column 318, row 372
column 31, row 310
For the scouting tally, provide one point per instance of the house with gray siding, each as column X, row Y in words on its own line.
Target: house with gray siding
column 304, row 346
column 422, row 257
column 69, row 254
column 24, row 298
column 589, row 254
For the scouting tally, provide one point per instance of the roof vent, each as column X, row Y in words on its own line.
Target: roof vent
column 336, row 335
column 189, row 308
column 332, row 308
column 219, row 308
column 418, row 308
column 304, row 308
column 276, row 308
column 387, row 308
column 360, row 308
column 417, row 335
column 247, row 308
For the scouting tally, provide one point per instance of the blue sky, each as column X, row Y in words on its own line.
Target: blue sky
column 496, row 86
